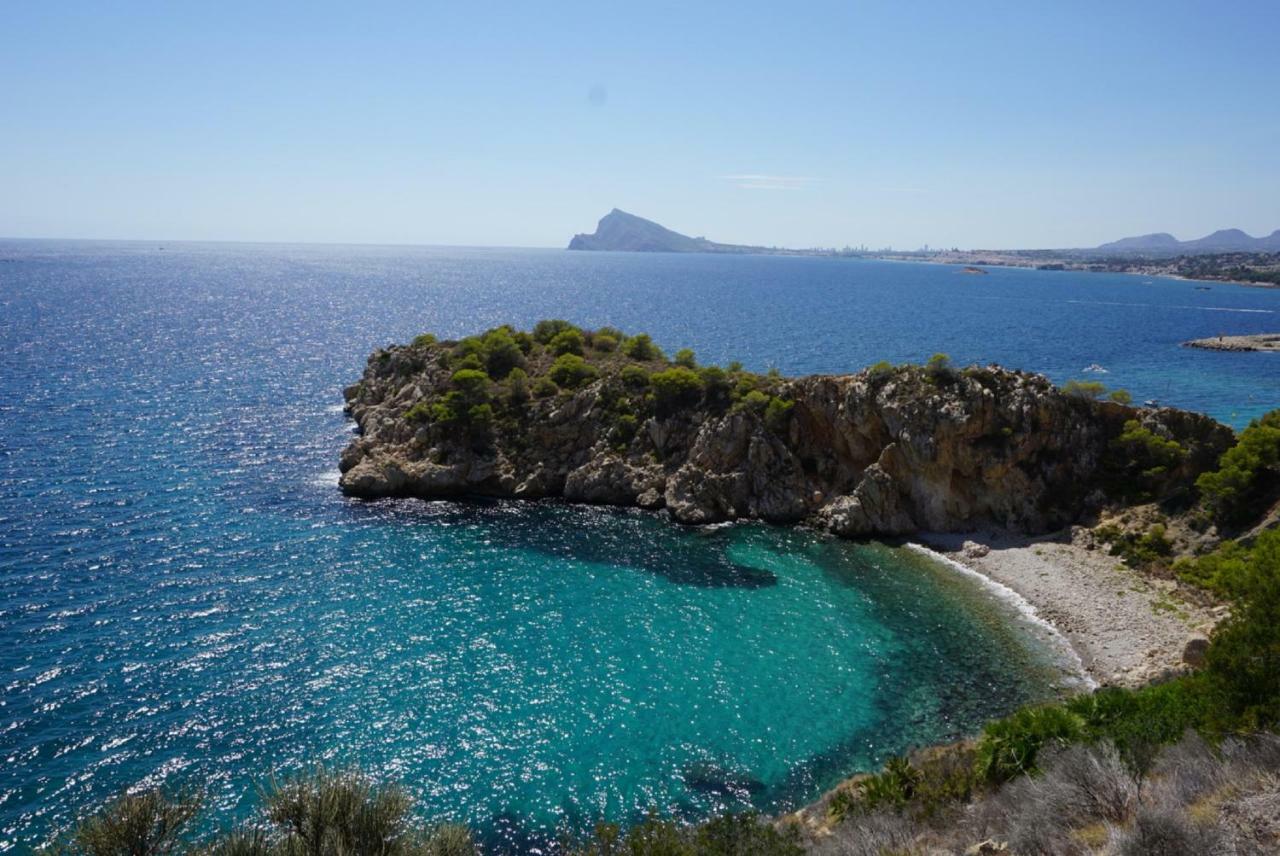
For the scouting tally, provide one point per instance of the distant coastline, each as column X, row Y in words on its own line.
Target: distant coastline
column 1227, row 256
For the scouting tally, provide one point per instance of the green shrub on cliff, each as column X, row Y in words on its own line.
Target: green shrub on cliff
column 1137, row 550
column 570, row 371
column 545, row 387
column 676, row 387
column 642, row 348
column 685, row 357
column 518, row 387
column 624, row 429
column 604, row 343
column 567, row 342
column 717, row 386
column 1139, row 458
column 1090, row 390
column 501, row 352
column 939, row 369
column 425, row 340
column 1248, row 473
column 1010, row 746
column 419, row 412
column 1121, row 396
column 545, row 331
column 777, row 414
column 880, row 372
column 1218, row 571
column 472, row 383
column 634, row 376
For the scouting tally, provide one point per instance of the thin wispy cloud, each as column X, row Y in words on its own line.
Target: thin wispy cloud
column 756, row 181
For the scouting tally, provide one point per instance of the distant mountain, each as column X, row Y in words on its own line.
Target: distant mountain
column 619, row 230
column 1222, row 241
column 1155, row 241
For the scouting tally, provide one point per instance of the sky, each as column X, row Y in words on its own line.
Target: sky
column 993, row 125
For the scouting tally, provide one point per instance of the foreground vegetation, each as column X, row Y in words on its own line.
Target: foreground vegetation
column 345, row 813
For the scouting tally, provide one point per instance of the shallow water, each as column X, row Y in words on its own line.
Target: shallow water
column 184, row 595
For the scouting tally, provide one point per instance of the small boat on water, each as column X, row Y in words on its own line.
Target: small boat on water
column 1150, row 402
column 1096, row 369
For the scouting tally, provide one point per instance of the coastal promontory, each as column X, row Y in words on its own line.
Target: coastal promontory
column 1254, row 342
column 604, row 417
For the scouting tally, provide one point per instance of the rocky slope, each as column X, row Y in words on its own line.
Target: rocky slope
column 884, row 451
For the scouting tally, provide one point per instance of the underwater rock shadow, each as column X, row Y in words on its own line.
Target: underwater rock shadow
column 644, row 540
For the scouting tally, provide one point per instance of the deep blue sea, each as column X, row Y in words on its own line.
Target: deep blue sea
column 186, row 598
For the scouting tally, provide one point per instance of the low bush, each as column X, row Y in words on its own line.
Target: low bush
column 419, row 412
column 1163, row 832
column 318, row 813
column 604, row 343
column 1139, row 459
column 893, row 787
column 1120, row 396
column 624, row 430
column 571, row 371
column 634, row 376
column 676, row 387
column 518, row 387
column 1090, row 390
column 545, row 331
column 545, row 387
column 567, row 342
column 642, row 348
column 472, row 383
column 939, row 369
column 718, row 388
column 423, row 341
column 153, row 823
column 777, row 414
column 1144, row 550
column 880, row 373
column 685, row 357
column 1009, row 747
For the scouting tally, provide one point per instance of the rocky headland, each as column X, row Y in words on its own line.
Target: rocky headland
column 597, row 416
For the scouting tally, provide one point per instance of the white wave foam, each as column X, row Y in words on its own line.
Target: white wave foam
column 1025, row 609
column 328, row 478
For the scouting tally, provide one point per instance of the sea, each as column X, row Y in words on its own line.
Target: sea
column 188, row 601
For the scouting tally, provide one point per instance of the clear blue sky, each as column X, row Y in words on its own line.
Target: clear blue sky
column 1020, row 124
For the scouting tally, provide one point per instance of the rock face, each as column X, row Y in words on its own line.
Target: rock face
column 881, row 452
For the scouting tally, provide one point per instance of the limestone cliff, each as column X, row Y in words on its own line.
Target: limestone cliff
column 888, row 450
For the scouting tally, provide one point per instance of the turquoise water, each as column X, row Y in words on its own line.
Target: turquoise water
column 186, row 597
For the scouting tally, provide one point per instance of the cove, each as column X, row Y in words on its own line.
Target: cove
column 526, row 668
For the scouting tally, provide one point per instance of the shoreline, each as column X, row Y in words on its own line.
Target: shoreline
column 1125, row 628
column 1032, row 267
column 1077, row 676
